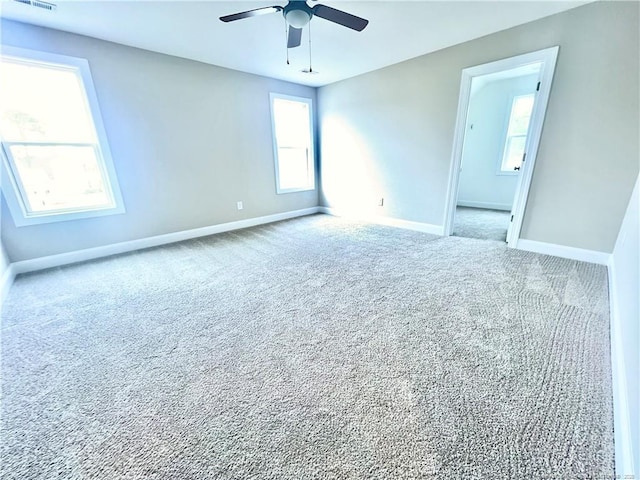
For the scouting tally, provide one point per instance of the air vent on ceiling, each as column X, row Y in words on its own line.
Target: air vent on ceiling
column 39, row 4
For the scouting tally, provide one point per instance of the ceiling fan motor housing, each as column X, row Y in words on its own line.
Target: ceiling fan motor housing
column 297, row 13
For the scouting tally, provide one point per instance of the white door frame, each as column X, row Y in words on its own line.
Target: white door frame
column 547, row 59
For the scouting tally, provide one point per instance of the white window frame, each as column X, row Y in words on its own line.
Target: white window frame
column 14, row 194
column 507, row 137
column 311, row 156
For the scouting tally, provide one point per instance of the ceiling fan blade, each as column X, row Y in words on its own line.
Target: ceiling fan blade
column 294, row 38
column 251, row 13
column 342, row 18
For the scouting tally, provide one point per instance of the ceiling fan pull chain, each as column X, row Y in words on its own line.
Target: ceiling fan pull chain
column 310, row 69
column 286, row 38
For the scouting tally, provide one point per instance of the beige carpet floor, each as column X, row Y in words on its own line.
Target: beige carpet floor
column 481, row 223
column 315, row 348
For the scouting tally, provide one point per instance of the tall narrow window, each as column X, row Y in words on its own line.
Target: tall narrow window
column 521, row 110
column 55, row 149
column 292, row 119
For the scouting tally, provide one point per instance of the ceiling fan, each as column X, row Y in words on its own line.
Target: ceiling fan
column 298, row 14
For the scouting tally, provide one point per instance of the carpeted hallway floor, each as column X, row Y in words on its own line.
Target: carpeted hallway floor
column 316, row 348
column 481, row 223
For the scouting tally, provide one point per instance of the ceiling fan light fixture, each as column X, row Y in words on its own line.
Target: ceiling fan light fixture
column 297, row 18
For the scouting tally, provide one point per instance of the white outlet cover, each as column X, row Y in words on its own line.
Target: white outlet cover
column 240, row 206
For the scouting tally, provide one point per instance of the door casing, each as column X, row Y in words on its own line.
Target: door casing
column 547, row 58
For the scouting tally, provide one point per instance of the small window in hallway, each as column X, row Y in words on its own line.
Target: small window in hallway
column 521, row 109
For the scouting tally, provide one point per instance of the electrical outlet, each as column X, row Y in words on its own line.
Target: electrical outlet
column 240, row 206
column 381, row 202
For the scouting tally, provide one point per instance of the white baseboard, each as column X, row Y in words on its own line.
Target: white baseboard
column 489, row 205
column 409, row 225
column 391, row 222
column 41, row 263
column 622, row 422
column 590, row 256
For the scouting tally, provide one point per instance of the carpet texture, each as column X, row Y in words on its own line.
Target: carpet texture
column 316, row 348
column 481, row 223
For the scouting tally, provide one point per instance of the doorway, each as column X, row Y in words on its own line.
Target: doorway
column 500, row 116
column 500, row 107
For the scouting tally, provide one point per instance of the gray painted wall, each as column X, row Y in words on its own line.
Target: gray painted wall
column 188, row 140
column 398, row 123
column 489, row 110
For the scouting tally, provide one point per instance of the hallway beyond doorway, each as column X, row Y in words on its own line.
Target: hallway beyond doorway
column 481, row 223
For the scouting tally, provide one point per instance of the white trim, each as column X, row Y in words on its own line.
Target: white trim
column 622, row 422
column 388, row 221
column 456, row 153
column 507, row 173
column 16, row 198
column 547, row 59
column 489, row 205
column 590, row 256
column 6, row 281
column 311, row 180
column 51, row 261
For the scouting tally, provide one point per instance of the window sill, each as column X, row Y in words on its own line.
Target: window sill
column 281, row 191
column 22, row 220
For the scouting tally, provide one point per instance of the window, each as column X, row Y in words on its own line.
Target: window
column 292, row 121
column 519, row 118
column 54, row 147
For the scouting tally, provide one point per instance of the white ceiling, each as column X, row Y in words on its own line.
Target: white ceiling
column 398, row 30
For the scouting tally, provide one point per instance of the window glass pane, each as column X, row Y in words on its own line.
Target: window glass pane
column 60, row 177
column 292, row 123
column 43, row 103
column 513, row 153
column 294, row 143
column 520, row 115
column 519, row 119
column 293, row 167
